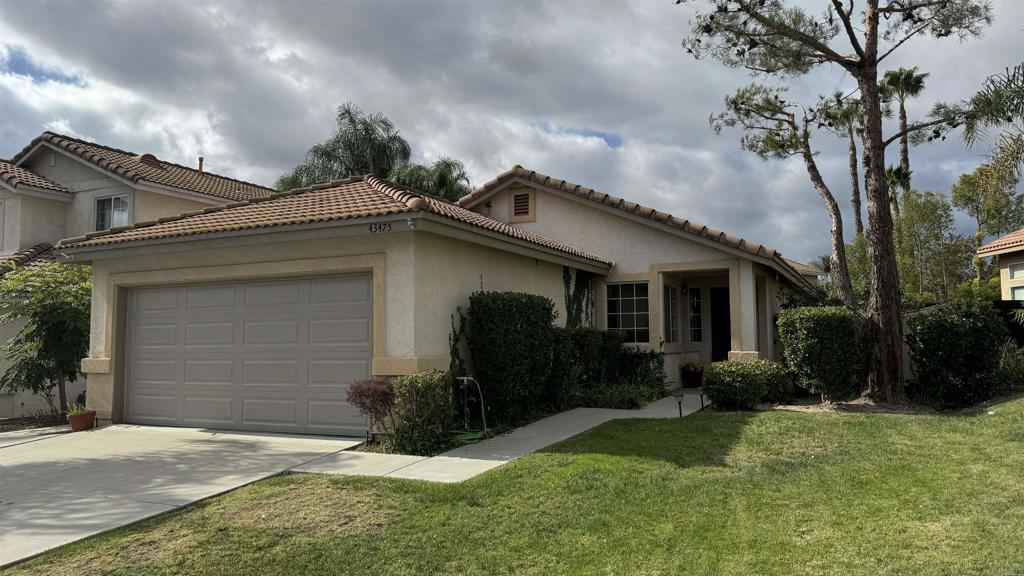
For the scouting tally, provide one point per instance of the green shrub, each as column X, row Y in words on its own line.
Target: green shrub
column 955, row 353
column 593, row 369
column 422, row 412
column 730, row 384
column 820, row 345
column 1010, row 371
column 778, row 381
column 510, row 341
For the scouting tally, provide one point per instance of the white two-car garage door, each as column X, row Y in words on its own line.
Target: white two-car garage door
column 274, row 356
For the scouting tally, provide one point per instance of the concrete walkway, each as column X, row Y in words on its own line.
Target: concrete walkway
column 468, row 461
column 56, row 489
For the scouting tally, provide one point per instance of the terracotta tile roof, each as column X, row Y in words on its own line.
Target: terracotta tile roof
column 804, row 268
column 38, row 254
column 147, row 168
column 357, row 197
column 633, row 208
column 14, row 176
column 1008, row 243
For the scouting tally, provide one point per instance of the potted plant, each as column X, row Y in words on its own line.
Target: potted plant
column 80, row 418
column 692, row 374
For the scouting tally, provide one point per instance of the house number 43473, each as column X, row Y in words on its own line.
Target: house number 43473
column 380, row 227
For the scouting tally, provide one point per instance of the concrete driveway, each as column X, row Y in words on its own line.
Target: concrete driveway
column 58, row 488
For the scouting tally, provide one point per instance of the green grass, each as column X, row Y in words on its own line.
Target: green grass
column 714, row 493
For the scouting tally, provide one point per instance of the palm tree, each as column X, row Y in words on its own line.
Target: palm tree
column 362, row 144
column 896, row 177
column 902, row 84
column 446, row 178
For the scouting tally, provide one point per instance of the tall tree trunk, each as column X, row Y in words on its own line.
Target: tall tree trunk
column 62, row 394
column 855, row 183
column 885, row 314
column 904, row 147
column 840, row 271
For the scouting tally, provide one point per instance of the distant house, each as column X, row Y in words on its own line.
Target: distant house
column 255, row 310
column 1008, row 252
column 59, row 186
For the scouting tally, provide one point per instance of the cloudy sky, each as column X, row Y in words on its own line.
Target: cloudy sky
column 598, row 93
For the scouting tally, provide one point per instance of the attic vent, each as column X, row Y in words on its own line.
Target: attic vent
column 149, row 160
column 521, row 205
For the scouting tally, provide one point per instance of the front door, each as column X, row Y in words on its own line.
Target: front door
column 721, row 333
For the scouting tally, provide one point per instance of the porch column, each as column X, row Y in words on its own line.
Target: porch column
column 743, row 311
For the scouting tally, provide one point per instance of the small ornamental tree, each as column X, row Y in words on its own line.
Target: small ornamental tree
column 51, row 304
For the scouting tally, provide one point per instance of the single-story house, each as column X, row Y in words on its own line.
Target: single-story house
column 1008, row 253
column 258, row 313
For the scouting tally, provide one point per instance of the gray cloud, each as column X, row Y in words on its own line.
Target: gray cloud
column 252, row 85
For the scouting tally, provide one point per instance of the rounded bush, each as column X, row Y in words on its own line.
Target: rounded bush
column 820, row 345
column 731, row 384
column 955, row 352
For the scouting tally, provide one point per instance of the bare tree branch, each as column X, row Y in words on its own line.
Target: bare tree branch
column 845, row 17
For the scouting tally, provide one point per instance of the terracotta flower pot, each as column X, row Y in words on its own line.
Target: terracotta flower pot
column 83, row 421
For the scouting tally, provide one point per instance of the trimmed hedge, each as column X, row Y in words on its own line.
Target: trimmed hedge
column 422, row 413
column 510, row 343
column 730, row 384
column 955, row 351
column 820, row 345
column 527, row 367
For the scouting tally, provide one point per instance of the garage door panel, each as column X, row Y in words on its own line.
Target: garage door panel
column 264, row 333
column 210, row 410
column 156, row 335
column 337, row 372
column 339, row 290
column 277, row 355
column 271, row 294
column 207, row 297
column 155, row 300
column 271, row 372
column 153, row 407
column 339, row 331
column 209, row 372
column 206, row 334
column 270, row 411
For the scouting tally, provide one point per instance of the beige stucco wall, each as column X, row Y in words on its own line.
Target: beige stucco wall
column 448, row 271
column 633, row 246
column 1005, row 283
column 40, row 221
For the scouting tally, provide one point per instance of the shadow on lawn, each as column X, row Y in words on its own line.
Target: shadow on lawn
column 703, row 439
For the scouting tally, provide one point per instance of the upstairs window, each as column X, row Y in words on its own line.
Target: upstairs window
column 111, row 212
column 629, row 311
column 522, row 208
column 1016, row 271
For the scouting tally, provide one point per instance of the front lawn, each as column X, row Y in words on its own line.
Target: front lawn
column 714, row 493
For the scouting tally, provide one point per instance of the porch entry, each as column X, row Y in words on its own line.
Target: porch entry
column 721, row 327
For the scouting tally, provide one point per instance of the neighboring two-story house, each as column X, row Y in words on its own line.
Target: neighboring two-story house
column 59, row 187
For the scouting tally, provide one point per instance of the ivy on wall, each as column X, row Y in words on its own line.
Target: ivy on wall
column 579, row 297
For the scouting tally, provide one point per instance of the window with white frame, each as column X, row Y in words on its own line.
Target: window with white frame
column 629, row 311
column 1017, row 271
column 111, row 212
column 671, row 304
column 696, row 310
column 1017, row 292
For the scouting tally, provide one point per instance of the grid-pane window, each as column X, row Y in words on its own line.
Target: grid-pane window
column 1017, row 292
column 671, row 303
column 111, row 212
column 1016, row 271
column 629, row 311
column 696, row 309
